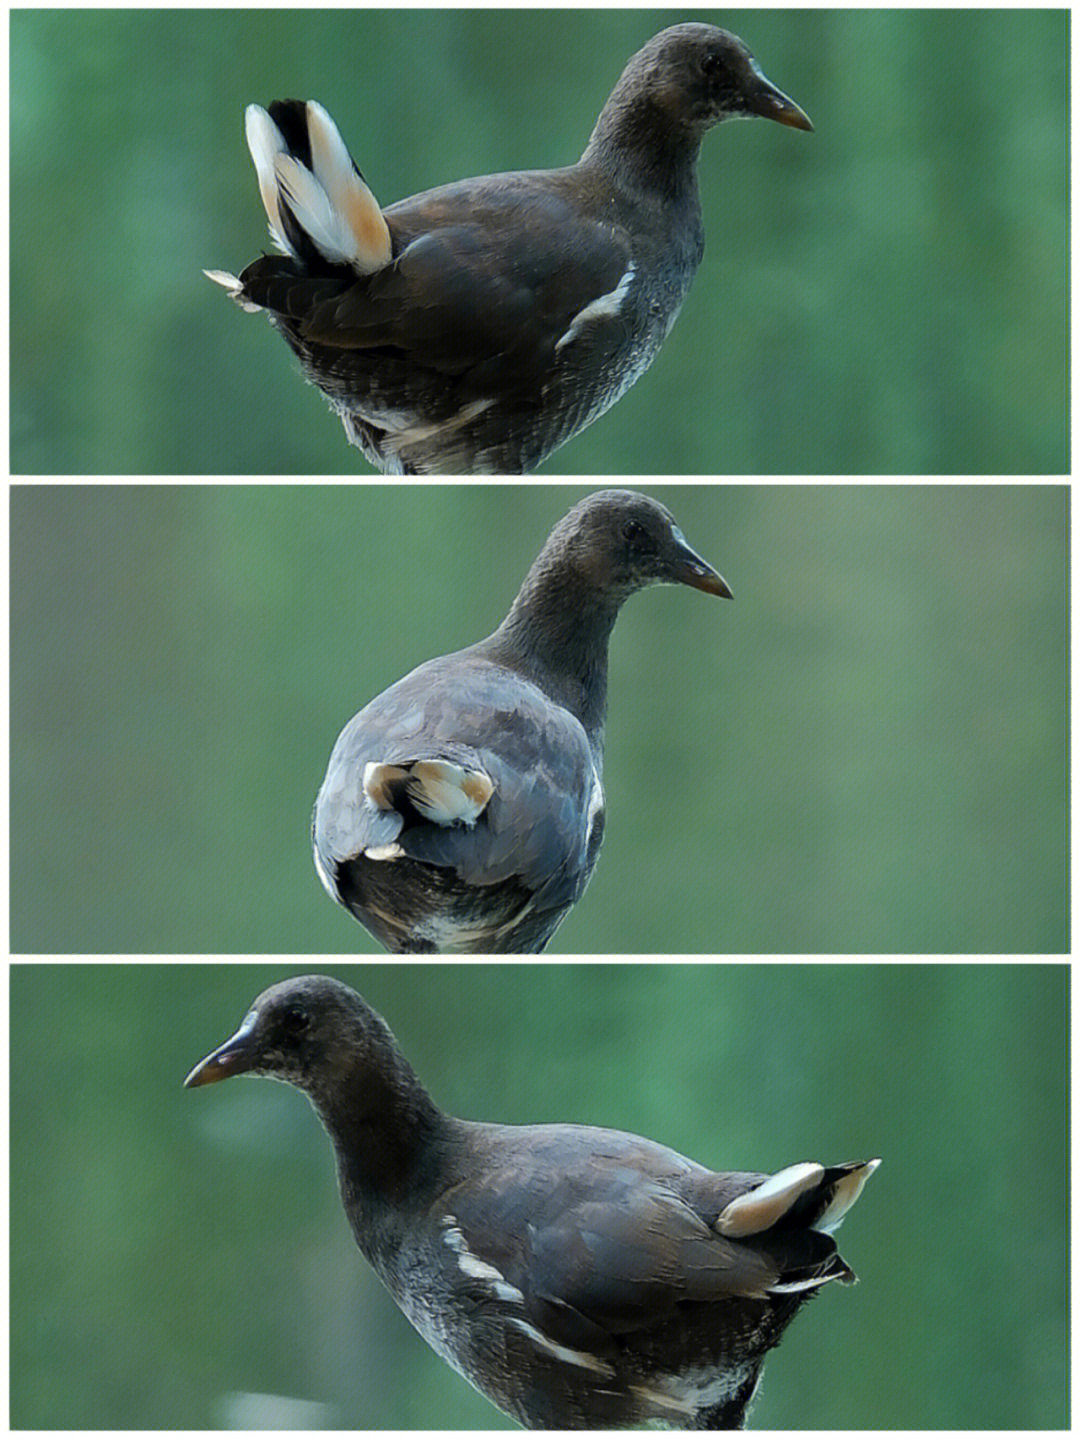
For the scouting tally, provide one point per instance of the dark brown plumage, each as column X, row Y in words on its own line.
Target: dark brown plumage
column 580, row 1278
column 473, row 328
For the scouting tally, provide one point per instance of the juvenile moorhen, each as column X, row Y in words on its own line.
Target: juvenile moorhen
column 474, row 328
column 462, row 809
column 580, row 1278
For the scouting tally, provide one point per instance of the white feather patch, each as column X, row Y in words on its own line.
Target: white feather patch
column 350, row 199
column 330, row 202
column 405, row 431
column 796, row 1286
column 604, row 307
column 845, row 1194
column 664, row 1401
column 314, row 211
column 235, row 289
column 453, row 936
column 265, row 143
column 477, row 1268
column 694, row 1389
column 568, row 1356
column 596, row 805
column 446, row 793
column 762, row 1207
column 325, row 876
column 225, row 279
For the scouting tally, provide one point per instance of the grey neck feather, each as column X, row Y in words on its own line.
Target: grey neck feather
column 640, row 149
column 556, row 635
column 380, row 1120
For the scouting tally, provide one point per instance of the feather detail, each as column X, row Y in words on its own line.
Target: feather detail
column 766, row 1205
column 265, row 143
column 440, row 792
column 350, row 197
column 845, row 1193
column 329, row 202
column 235, row 289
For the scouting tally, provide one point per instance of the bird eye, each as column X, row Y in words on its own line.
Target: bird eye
column 294, row 1021
column 711, row 64
column 634, row 531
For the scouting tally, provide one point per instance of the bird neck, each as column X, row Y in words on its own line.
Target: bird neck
column 640, row 149
column 556, row 635
column 383, row 1125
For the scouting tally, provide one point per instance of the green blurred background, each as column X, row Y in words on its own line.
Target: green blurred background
column 884, row 296
column 173, row 1252
column 864, row 752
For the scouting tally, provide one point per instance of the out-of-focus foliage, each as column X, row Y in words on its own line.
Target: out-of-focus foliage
column 884, row 296
column 863, row 752
column 174, row 1254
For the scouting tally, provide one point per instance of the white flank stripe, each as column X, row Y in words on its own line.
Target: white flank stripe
column 596, row 805
column 415, row 434
column 796, row 1286
column 662, row 1400
column 568, row 1356
column 476, row 1268
column 604, row 307
column 327, row 881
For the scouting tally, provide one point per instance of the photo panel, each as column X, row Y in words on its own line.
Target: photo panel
column 840, row 729
column 262, row 1313
column 862, row 752
column 885, row 295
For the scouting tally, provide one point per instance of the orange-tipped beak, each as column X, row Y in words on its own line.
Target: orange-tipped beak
column 232, row 1057
column 772, row 104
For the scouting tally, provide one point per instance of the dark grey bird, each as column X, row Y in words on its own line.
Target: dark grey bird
column 580, row 1278
column 474, row 328
column 462, row 809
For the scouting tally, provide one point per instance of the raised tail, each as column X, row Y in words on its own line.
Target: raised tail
column 790, row 1216
column 804, row 1196
column 317, row 203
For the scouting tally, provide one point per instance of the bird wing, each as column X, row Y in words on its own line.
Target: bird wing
column 623, row 1263
column 542, row 817
column 605, row 1245
column 490, row 278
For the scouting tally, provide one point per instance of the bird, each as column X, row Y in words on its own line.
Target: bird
column 473, row 328
column 579, row 1278
column 462, row 809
